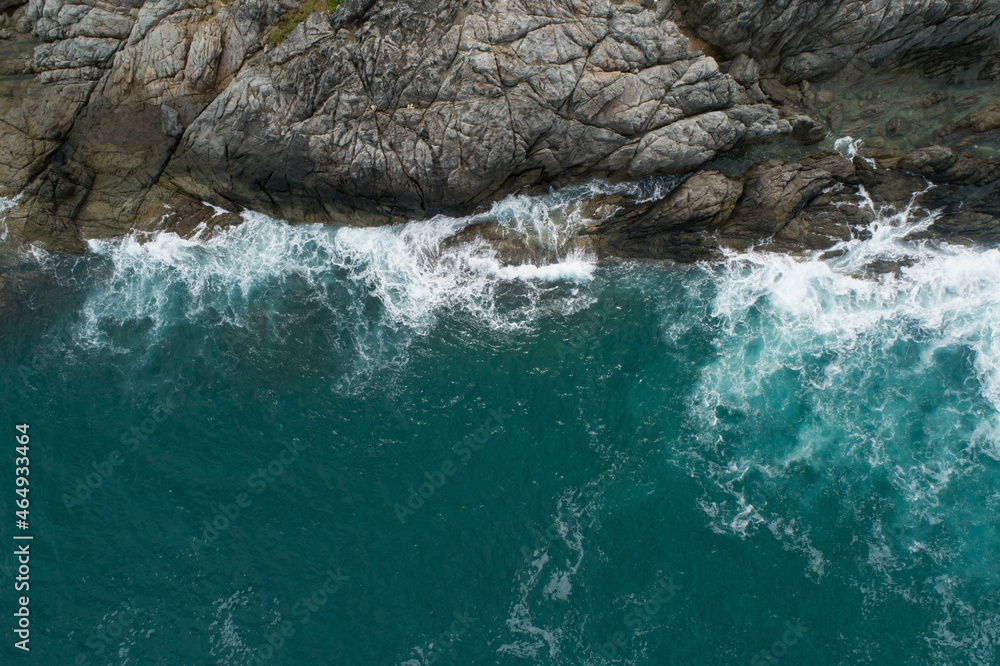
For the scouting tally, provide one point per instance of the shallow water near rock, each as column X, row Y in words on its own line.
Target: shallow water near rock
column 303, row 444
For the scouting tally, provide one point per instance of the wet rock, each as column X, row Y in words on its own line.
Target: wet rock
column 943, row 165
column 508, row 248
column 775, row 190
column 965, row 101
column 984, row 120
column 897, row 126
column 990, row 70
column 887, row 185
column 836, row 116
column 930, row 99
column 775, row 204
column 804, row 206
column 805, row 130
column 679, row 227
column 872, row 111
column 804, row 39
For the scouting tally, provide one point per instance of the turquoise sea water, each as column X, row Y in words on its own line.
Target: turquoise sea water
column 303, row 445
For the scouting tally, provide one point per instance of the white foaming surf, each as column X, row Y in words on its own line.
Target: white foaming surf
column 880, row 360
column 5, row 205
column 413, row 271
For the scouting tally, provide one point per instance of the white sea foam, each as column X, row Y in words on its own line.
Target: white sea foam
column 5, row 205
column 412, row 271
column 542, row 618
column 850, row 147
column 882, row 362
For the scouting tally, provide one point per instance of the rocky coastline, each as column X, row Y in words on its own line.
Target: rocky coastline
column 124, row 116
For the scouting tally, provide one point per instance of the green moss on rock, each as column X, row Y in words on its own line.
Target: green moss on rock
column 293, row 17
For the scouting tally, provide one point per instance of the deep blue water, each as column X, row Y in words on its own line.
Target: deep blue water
column 307, row 445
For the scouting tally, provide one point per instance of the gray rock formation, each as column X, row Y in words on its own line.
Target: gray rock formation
column 441, row 108
column 126, row 114
column 115, row 85
column 420, row 107
column 804, row 205
column 765, row 207
column 807, row 39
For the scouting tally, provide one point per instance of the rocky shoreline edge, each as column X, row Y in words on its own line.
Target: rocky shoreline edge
column 121, row 117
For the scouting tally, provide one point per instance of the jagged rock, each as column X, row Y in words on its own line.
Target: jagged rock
column 804, row 39
column 116, row 89
column 805, row 130
column 385, row 111
column 36, row 128
column 984, row 120
column 422, row 107
column 710, row 211
column 679, row 227
column 485, row 97
column 745, row 70
column 509, row 248
column 350, row 11
column 807, row 205
column 775, row 190
column 990, row 70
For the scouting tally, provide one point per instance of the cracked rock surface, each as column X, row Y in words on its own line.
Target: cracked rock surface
column 803, row 205
column 136, row 108
column 438, row 107
column 112, row 87
column 129, row 114
column 806, row 39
